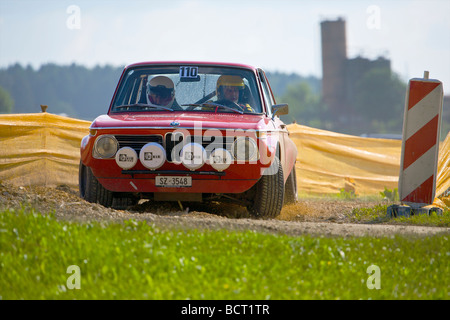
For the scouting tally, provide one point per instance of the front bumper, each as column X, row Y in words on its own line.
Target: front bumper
column 237, row 178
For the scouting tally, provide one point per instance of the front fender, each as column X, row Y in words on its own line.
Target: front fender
column 86, row 146
column 291, row 153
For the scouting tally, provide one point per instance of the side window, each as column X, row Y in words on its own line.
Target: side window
column 128, row 90
column 266, row 94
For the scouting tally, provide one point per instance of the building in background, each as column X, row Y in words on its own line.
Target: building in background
column 340, row 74
column 334, row 58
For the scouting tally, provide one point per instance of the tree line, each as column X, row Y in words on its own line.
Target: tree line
column 84, row 93
column 73, row 90
column 376, row 106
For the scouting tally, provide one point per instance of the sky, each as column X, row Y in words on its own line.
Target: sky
column 276, row 35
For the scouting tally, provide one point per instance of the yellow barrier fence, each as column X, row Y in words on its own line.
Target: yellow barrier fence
column 40, row 149
column 44, row 149
column 328, row 162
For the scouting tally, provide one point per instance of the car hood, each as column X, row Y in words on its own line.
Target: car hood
column 176, row 120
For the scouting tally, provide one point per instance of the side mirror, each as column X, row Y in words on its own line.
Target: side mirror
column 280, row 109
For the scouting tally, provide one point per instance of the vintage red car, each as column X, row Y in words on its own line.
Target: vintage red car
column 191, row 131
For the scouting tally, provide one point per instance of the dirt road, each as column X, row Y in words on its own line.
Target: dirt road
column 315, row 217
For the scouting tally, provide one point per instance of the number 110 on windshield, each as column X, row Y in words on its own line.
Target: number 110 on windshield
column 188, row 72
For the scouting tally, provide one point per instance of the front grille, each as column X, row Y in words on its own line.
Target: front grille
column 137, row 142
column 208, row 142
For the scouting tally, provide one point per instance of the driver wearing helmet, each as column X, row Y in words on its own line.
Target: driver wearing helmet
column 161, row 92
column 230, row 89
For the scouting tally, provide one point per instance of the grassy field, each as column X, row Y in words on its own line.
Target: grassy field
column 44, row 258
column 377, row 214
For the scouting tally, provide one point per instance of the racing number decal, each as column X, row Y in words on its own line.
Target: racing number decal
column 189, row 72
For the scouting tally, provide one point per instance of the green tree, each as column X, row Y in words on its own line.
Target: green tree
column 304, row 105
column 379, row 100
column 6, row 102
column 18, row 81
column 73, row 90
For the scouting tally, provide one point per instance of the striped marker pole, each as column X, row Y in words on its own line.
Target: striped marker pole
column 420, row 144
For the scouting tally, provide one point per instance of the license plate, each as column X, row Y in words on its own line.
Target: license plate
column 169, row 181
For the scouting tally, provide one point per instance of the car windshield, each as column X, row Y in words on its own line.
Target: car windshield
column 188, row 88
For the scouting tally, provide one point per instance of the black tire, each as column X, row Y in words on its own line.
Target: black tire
column 269, row 194
column 290, row 189
column 91, row 190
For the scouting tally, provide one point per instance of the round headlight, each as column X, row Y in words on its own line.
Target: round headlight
column 126, row 158
column 193, row 156
column 152, row 155
column 106, row 146
column 245, row 149
column 220, row 159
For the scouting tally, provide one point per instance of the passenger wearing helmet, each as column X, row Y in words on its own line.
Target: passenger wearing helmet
column 161, row 92
column 231, row 88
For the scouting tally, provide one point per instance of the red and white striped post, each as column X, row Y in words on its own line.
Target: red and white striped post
column 420, row 145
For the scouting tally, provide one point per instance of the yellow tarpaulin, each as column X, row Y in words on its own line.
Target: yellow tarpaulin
column 40, row 149
column 44, row 149
column 328, row 162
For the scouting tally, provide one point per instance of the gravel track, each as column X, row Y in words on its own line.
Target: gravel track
column 314, row 217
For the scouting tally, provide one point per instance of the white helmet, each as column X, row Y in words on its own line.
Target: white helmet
column 160, row 91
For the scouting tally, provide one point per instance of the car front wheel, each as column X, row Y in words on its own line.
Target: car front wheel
column 291, row 193
column 91, row 190
column 269, row 194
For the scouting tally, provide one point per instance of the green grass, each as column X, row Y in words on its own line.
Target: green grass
column 433, row 220
column 135, row 260
column 378, row 214
column 372, row 214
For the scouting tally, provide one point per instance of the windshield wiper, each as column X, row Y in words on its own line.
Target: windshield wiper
column 143, row 105
column 212, row 104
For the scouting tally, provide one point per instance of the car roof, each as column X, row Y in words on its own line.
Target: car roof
column 203, row 63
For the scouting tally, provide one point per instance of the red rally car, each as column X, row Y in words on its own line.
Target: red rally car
column 191, row 131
